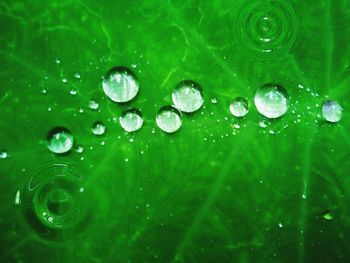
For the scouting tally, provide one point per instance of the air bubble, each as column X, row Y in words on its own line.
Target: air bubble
column 120, row 84
column 168, row 119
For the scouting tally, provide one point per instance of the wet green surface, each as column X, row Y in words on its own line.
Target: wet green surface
column 219, row 189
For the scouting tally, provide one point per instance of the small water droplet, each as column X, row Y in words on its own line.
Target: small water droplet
column 214, row 100
column 77, row 75
column 93, row 105
column 59, row 140
column 64, row 80
column 328, row 216
column 57, row 61
column 271, row 100
column 79, row 149
column 44, row 91
column 3, row 154
column 120, row 84
column 332, row 111
column 239, row 107
column 98, row 128
column 131, row 120
column 187, row 96
column 73, row 92
column 168, row 119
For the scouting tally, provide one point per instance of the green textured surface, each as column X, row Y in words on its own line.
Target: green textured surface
column 208, row 193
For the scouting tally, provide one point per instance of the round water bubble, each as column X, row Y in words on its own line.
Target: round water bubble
column 271, row 100
column 131, row 120
column 98, row 128
column 168, row 119
column 120, row 84
column 332, row 111
column 187, row 96
column 239, row 107
column 59, row 140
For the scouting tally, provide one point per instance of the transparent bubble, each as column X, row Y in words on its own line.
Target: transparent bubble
column 187, row 96
column 59, row 140
column 271, row 100
column 332, row 111
column 239, row 107
column 168, row 119
column 120, row 84
column 131, row 120
column 98, row 128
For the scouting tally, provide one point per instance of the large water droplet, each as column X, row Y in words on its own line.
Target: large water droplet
column 60, row 140
column 271, row 100
column 239, row 107
column 169, row 119
column 98, row 128
column 332, row 111
column 131, row 120
column 187, row 96
column 120, row 84
column 3, row 154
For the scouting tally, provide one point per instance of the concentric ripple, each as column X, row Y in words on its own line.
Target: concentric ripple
column 53, row 203
column 265, row 29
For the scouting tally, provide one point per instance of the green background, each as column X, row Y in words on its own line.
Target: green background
column 208, row 193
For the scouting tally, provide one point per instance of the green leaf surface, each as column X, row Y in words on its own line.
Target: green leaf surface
column 220, row 189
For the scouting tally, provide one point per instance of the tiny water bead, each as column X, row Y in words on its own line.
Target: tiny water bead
column 93, row 105
column 98, row 128
column 120, row 84
column 53, row 204
column 168, row 119
column 239, row 107
column 271, row 100
column 131, row 120
column 59, row 140
column 187, row 96
column 3, row 154
column 328, row 216
column 332, row 111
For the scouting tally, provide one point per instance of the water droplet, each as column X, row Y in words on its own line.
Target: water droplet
column 131, row 120
column 79, row 149
column 77, row 75
column 64, row 80
column 57, row 61
column 328, row 216
column 59, row 140
column 271, row 100
column 187, row 96
column 3, row 154
column 98, row 128
column 73, row 92
column 239, row 107
column 332, row 111
column 93, row 105
column 168, row 119
column 120, row 84
column 214, row 100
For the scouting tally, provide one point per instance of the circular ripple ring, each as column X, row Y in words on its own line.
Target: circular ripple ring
column 265, row 29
